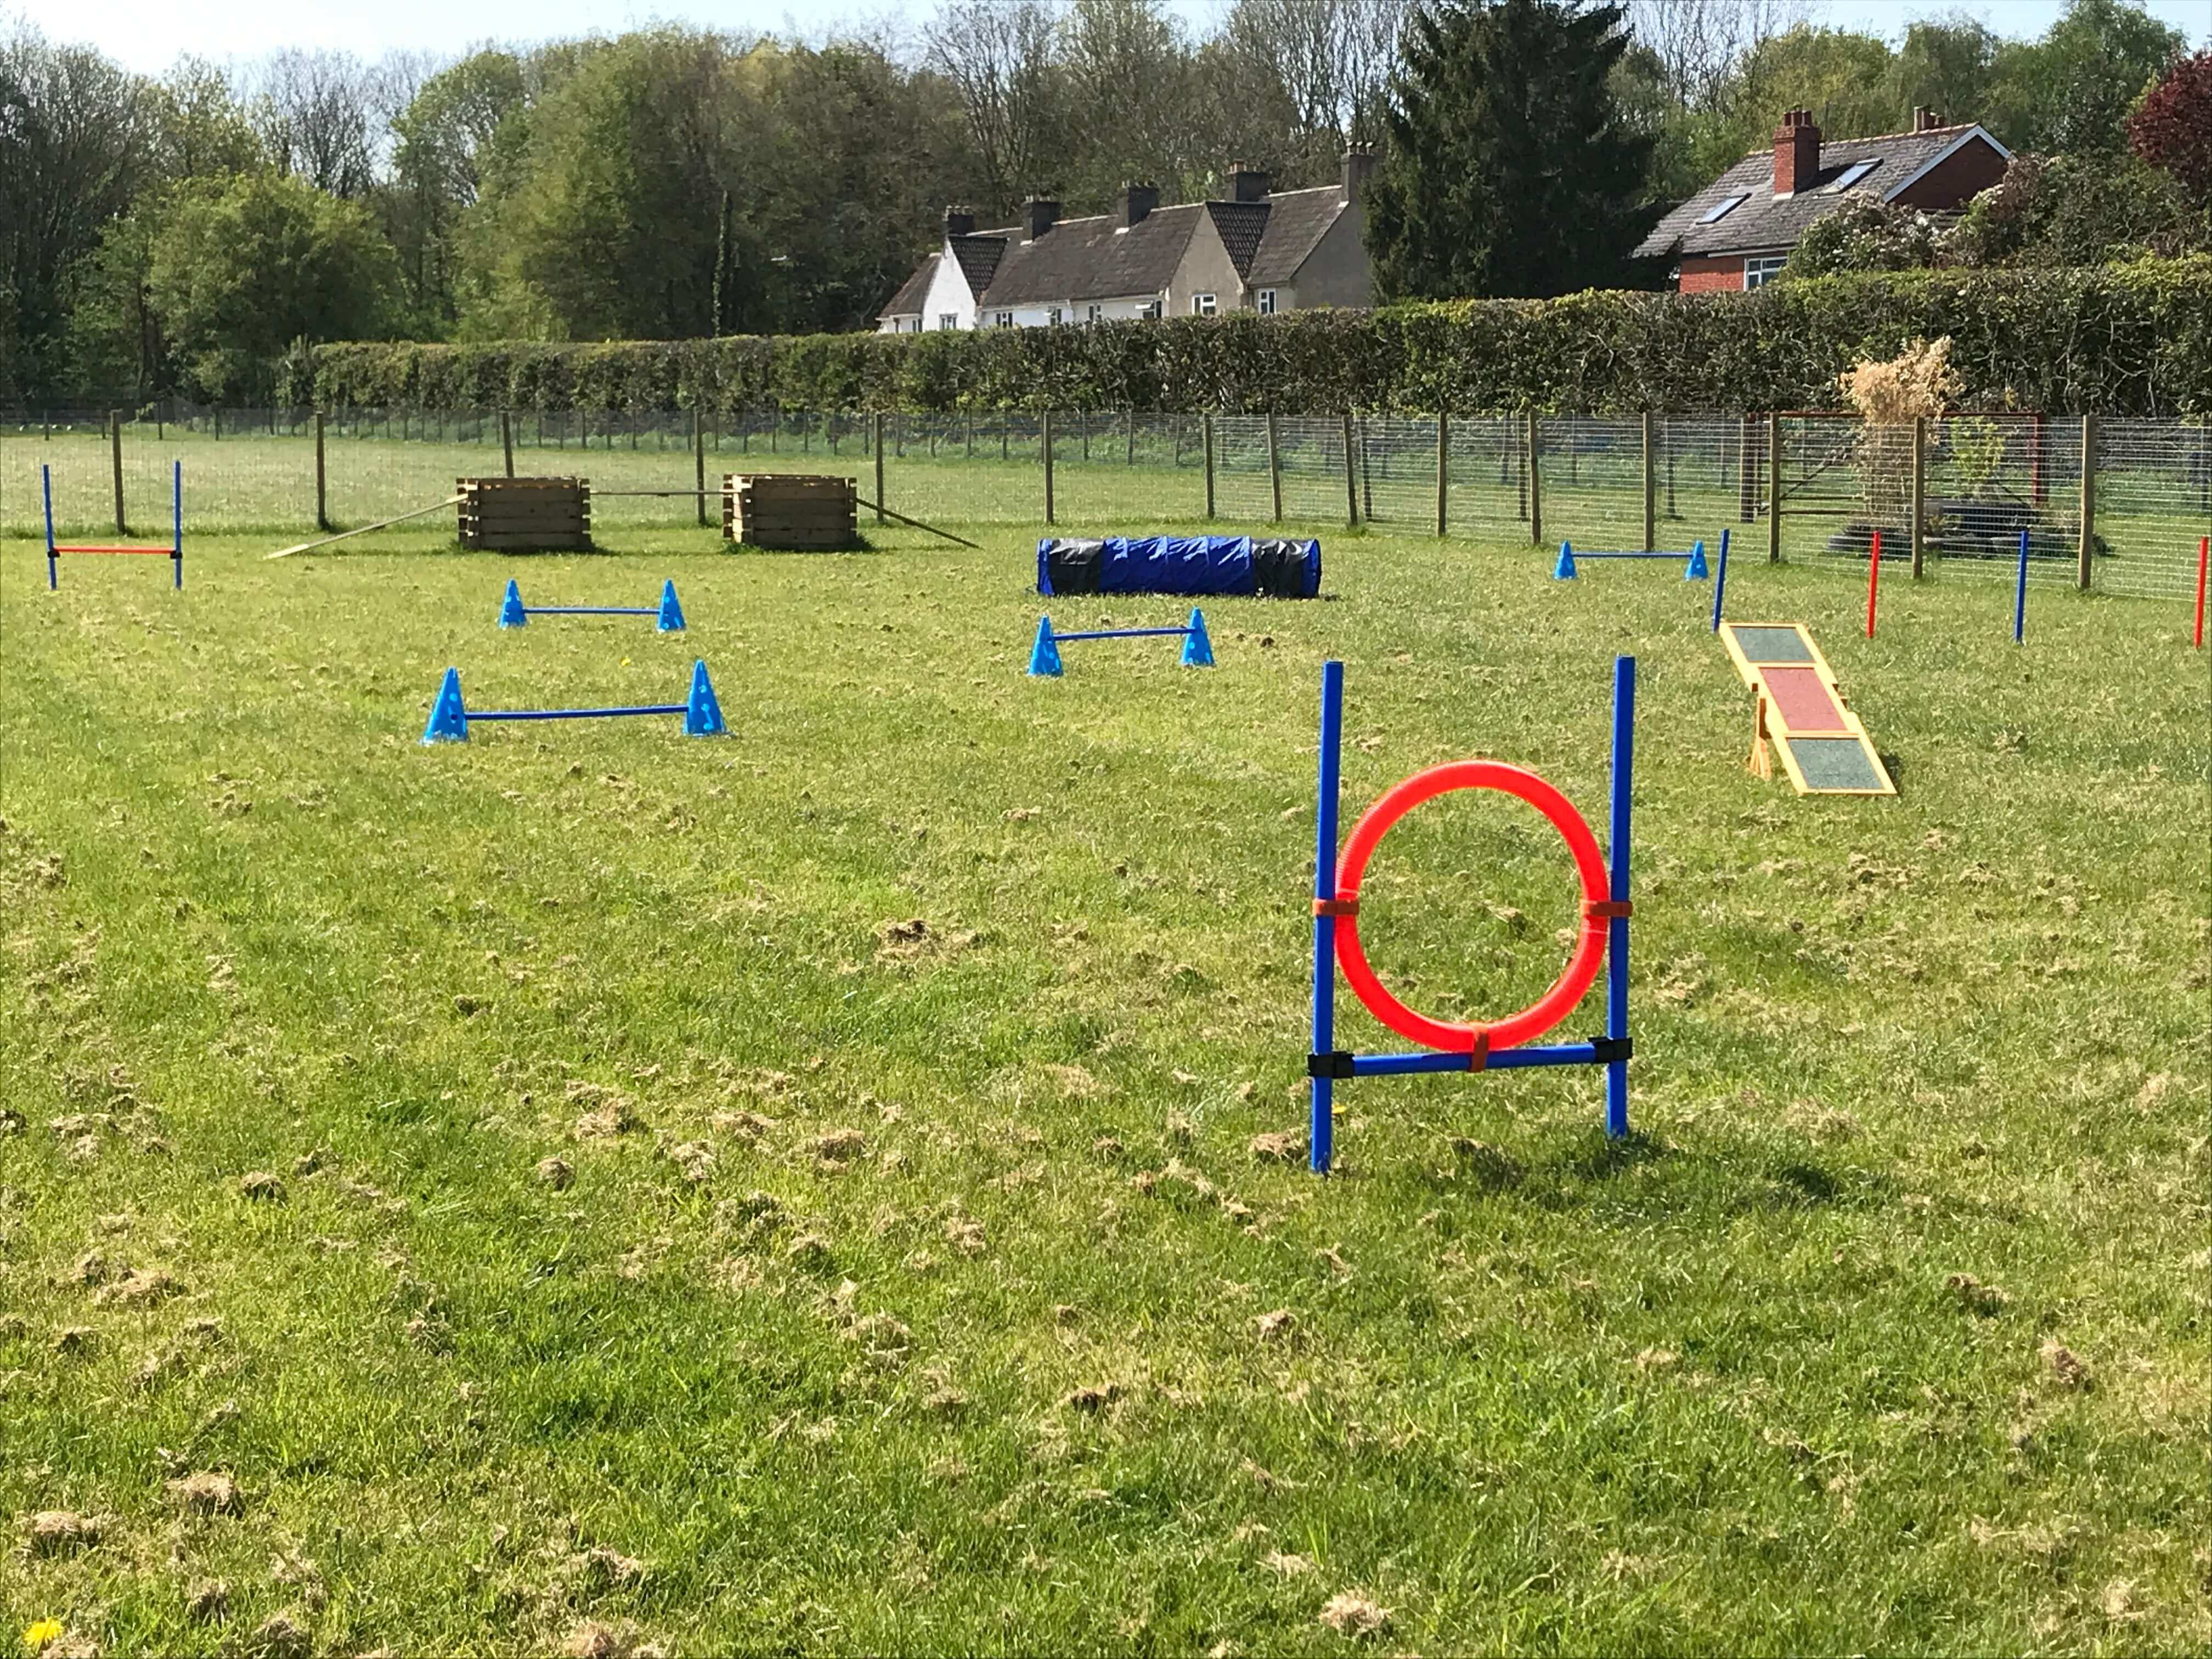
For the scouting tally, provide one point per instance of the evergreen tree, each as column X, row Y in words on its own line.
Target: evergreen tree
column 1511, row 169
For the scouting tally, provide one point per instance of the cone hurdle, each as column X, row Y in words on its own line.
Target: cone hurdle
column 450, row 717
column 1197, row 648
column 1693, row 565
column 668, row 614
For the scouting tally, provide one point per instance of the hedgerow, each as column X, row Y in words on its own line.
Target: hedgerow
column 2133, row 339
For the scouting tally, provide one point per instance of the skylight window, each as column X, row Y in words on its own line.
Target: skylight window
column 1850, row 175
column 1722, row 209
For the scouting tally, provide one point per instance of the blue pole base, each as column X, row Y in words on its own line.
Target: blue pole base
column 670, row 620
column 1696, row 572
column 1044, row 655
column 1564, row 571
column 449, row 721
column 511, row 612
column 702, row 714
column 1197, row 649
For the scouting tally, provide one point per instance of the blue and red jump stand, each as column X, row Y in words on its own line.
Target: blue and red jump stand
column 1500, row 1045
column 174, row 552
column 1197, row 648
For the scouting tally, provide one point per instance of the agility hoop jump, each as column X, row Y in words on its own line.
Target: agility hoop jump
column 174, row 552
column 1498, row 1045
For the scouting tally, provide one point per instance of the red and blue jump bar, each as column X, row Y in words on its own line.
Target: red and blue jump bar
column 1604, row 880
column 174, row 552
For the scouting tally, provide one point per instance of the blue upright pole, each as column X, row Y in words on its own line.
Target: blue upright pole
column 1720, row 580
column 1616, row 945
column 177, row 520
column 53, row 564
column 2019, row 594
column 1324, row 926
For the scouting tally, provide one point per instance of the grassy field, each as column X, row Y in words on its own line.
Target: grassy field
column 837, row 1187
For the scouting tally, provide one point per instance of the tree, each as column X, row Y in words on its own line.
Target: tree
column 2078, row 210
column 1001, row 61
column 2071, row 90
column 315, row 114
column 1945, row 64
column 2172, row 128
column 1510, row 169
column 241, row 269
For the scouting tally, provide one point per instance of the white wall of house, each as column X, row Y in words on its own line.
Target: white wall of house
column 948, row 295
column 1120, row 309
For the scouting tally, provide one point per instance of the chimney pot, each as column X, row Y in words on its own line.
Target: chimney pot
column 1039, row 214
column 1797, row 153
column 959, row 222
column 1925, row 120
column 1246, row 183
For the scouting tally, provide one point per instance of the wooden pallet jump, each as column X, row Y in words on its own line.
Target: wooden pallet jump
column 525, row 515
column 791, row 511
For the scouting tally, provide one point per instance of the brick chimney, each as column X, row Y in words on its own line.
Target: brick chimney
column 1246, row 183
column 1358, row 162
column 1039, row 214
column 959, row 222
column 1925, row 120
column 1797, row 153
column 1136, row 201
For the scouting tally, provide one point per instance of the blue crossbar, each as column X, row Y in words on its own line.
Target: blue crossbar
column 1120, row 633
column 1499, row 1060
column 574, row 714
column 594, row 611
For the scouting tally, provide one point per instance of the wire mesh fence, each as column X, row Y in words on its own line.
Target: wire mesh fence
column 1973, row 483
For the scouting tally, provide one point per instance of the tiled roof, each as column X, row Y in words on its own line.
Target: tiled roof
column 908, row 301
column 1095, row 259
column 1764, row 221
column 1297, row 220
column 1241, row 225
column 979, row 256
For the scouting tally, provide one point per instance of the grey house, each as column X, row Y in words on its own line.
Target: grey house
column 1258, row 250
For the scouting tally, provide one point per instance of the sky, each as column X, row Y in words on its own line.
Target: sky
column 147, row 35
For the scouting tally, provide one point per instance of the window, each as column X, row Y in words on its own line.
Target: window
column 1052, row 318
column 1149, row 310
column 1002, row 319
column 947, row 319
column 1722, row 209
column 1201, row 305
column 1852, row 175
column 1761, row 269
column 1266, row 302
column 1094, row 313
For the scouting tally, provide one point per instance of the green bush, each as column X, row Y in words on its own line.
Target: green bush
column 2131, row 340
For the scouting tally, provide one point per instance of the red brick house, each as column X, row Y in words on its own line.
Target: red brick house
column 1735, row 234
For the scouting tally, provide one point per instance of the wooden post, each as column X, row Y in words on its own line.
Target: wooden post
column 1130, row 416
column 2088, row 547
column 1774, row 486
column 879, row 476
column 322, row 478
column 699, row 461
column 1209, row 464
column 1275, row 466
column 1444, row 471
column 115, row 447
column 1535, row 484
column 1919, row 494
column 1047, row 467
column 1746, row 471
column 1351, row 477
column 1650, row 514
column 507, row 439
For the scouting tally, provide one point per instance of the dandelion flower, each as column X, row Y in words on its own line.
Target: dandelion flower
column 36, row 1636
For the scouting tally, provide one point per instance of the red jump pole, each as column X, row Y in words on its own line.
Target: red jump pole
column 2203, row 559
column 1874, row 581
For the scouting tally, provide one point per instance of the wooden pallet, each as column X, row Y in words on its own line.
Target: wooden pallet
column 525, row 515
column 791, row 511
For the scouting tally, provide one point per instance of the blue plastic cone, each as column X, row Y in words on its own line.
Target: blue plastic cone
column 702, row 716
column 1197, row 649
column 672, row 614
column 1697, row 571
column 1565, row 570
column 511, row 613
column 449, row 721
column 1044, row 655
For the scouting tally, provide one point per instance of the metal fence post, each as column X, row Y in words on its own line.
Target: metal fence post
column 1535, row 481
column 699, row 461
column 322, row 478
column 1351, row 477
column 1650, row 515
column 879, row 475
column 1919, row 494
column 2089, row 501
column 1275, row 466
column 1047, row 467
column 1443, row 470
column 115, row 448
column 1774, row 486
column 1209, row 464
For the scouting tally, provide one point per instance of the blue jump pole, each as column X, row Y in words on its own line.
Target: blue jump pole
column 53, row 560
column 2019, row 594
column 1323, row 1136
column 1616, row 946
column 1720, row 580
column 177, row 520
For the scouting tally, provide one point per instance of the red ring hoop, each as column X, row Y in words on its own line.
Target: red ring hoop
column 1556, row 1004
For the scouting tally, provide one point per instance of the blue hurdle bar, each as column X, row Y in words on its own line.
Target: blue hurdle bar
column 450, row 718
column 512, row 613
column 1615, row 1044
column 1197, row 648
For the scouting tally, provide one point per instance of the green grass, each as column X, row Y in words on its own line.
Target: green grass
column 1919, row 1098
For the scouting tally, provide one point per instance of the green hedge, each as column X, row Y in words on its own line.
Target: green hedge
column 2115, row 340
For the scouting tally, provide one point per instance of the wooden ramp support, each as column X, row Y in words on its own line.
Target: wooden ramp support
column 794, row 511
column 1799, row 707
column 527, row 515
